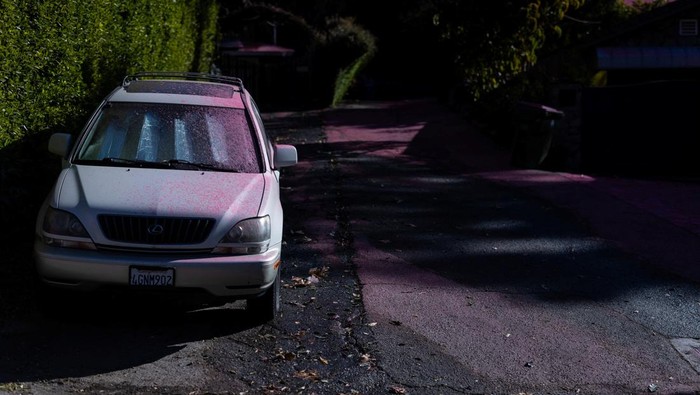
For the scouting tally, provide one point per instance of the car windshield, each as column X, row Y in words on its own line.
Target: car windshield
column 172, row 135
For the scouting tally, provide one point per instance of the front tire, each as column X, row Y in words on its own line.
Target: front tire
column 266, row 307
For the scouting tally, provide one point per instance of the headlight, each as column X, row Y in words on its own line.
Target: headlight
column 250, row 236
column 63, row 229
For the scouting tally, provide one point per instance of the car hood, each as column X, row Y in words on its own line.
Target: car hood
column 91, row 190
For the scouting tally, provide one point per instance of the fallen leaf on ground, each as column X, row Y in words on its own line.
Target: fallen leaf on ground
column 298, row 282
column 307, row 375
column 285, row 355
column 320, row 272
column 366, row 359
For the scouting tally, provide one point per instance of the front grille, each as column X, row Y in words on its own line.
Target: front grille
column 151, row 250
column 155, row 230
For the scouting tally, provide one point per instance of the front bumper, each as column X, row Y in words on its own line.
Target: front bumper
column 238, row 276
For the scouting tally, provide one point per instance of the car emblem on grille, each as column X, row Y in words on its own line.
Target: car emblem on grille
column 155, row 230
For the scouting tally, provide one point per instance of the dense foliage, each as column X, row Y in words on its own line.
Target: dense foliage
column 61, row 56
column 495, row 43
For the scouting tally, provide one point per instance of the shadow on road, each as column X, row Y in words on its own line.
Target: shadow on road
column 98, row 335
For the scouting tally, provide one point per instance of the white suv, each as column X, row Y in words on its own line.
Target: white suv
column 173, row 184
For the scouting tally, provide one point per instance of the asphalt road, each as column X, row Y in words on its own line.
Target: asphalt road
column 480, row 287
column 403, row 273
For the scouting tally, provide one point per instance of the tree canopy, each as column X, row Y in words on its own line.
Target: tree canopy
column 495, row 41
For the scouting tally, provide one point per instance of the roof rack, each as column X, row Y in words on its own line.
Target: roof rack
column 182, row 75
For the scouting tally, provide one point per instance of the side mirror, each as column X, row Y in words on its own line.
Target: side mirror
column 285, row 155
column 60, row 144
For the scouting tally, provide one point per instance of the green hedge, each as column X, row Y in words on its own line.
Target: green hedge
column 60, row 56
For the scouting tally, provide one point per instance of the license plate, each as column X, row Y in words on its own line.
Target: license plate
column 143, row 277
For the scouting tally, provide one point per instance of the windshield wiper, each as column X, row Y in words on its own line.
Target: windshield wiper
column 131, row 162
column 180, row 163
column 198, row 166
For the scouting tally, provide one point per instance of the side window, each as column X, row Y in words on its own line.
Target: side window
column 266, row 140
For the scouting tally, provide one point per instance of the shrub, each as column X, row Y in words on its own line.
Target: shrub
column 61, row 56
